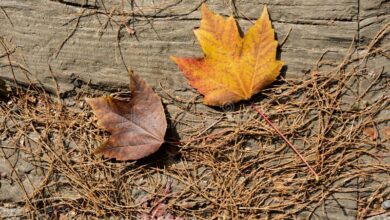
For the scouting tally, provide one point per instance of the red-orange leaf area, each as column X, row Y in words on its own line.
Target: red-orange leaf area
column 137, row 126
column 233, row 68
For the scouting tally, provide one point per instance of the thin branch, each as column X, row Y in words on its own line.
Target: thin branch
column 285, row 139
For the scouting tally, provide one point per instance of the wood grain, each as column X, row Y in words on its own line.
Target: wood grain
column 91, row 53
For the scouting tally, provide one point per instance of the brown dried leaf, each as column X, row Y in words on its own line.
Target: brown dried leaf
column 159, row 207
column 137, row 126
column 371, row 133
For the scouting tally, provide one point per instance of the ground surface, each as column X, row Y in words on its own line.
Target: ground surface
column 228, row 163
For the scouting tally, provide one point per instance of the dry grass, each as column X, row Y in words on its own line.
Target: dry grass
column 230, row 163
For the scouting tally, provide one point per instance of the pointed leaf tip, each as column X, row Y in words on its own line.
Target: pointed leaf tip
column 264, row 13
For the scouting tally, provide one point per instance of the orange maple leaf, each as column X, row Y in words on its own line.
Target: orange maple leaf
column 233, row 68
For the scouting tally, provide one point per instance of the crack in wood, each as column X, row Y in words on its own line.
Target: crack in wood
column 78, row 5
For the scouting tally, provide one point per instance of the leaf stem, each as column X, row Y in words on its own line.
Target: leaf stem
column 285, row 139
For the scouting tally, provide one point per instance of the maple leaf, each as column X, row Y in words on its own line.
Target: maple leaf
column 233, row 68
column 137, row 126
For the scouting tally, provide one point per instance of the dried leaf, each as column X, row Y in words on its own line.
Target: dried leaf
column 233, row 68
column 157, row 208
column 137, row 126
column 371, row 133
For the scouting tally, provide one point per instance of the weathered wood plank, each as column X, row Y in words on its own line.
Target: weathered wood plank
column 373, row 15
column 163, row 29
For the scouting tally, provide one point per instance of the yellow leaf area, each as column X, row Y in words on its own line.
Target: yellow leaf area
column 233, row 68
